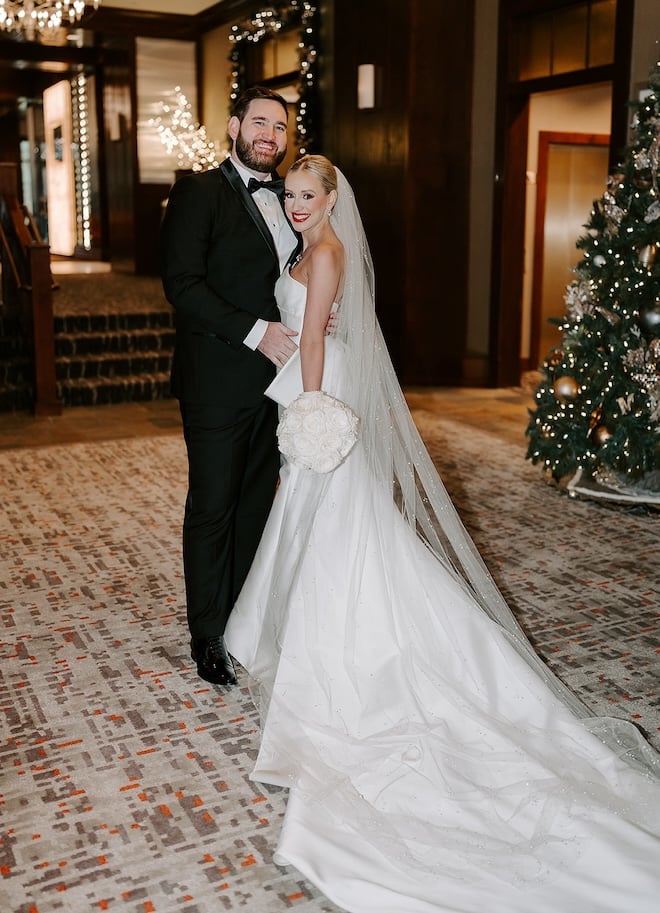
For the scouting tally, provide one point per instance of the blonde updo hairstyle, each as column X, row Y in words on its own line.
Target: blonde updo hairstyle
column 321, row 167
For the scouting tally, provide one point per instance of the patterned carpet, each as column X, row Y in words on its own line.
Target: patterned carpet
column 125, row 778
column 116, row 292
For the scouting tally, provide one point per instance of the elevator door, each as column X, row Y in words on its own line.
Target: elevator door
column 572, row 173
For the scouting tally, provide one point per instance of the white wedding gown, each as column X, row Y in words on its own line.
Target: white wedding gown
column 430, row 768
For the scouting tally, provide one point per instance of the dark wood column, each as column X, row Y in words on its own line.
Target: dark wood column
column 370, row 145
column 437, row 190
column 408, row 160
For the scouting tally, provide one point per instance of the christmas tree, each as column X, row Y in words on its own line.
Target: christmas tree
column 597, row 413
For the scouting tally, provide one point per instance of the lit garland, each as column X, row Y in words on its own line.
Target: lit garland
column 82, row 160
column 266, row 23
column 179, row 131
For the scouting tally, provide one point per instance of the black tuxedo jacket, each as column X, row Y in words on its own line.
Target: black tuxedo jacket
column 219, row 266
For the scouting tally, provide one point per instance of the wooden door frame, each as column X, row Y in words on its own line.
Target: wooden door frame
column 546, row 139
column 510, row 171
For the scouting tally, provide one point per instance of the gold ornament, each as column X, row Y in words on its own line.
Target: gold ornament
column 647, row 255
column 565, row 388
column 595, row 417
column 601, row 434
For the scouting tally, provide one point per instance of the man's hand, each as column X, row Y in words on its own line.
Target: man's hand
column 277, row 344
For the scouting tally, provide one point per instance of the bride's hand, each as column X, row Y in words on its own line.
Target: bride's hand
column 277, row 343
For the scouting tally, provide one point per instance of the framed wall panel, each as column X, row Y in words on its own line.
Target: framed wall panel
column 162, row 66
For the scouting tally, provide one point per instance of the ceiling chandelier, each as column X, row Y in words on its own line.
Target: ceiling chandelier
column 33, row 19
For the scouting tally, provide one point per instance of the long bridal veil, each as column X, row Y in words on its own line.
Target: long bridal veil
column 403, row 470
column 426, row 748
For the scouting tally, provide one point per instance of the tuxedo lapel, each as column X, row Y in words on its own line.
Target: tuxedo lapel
column 235, row 180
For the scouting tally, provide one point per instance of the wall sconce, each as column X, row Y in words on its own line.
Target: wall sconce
column 366, row 86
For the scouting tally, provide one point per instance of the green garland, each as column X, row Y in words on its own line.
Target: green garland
column 264, row 24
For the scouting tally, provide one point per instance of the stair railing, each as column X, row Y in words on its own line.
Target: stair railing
column 28, row 287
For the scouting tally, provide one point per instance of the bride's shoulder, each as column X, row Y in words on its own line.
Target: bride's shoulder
column 327, row 255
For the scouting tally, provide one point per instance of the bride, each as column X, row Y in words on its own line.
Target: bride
column 434, row 763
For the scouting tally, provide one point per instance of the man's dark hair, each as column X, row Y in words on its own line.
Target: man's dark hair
column 243, row 101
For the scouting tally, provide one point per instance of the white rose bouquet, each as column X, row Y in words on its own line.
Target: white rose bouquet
column 317, row 431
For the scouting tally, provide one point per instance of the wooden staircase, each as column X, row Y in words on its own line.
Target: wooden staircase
column 16, row 368
column 113, row 358
column 99, row 359
column 84, row 337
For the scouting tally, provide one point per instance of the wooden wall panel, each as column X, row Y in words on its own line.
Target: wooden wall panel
column 370, row 145
column 437, row 190
column 509, row 241
column 9, row 135
column 408, row 160
column 118, row 141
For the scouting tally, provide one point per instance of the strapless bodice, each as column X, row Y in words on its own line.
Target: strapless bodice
column 291, row 297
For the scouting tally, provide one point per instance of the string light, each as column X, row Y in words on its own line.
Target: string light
column 83, row 160
column 266, row 23
column 179, row 132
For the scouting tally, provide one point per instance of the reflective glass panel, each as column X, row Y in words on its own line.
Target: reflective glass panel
column 535, row 47
column 601, row 33
column 569, row 46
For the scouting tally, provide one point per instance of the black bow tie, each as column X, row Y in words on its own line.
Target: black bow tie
column 276, row 185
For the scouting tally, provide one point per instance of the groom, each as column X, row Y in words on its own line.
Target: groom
column 224, row 242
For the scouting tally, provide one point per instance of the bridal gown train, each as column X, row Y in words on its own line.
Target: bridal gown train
column 430, row 768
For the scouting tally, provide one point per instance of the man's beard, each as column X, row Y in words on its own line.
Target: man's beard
column 257, row 161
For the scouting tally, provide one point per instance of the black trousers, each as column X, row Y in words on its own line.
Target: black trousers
column 233, row 464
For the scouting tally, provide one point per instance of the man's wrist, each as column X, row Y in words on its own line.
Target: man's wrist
column 256, row 334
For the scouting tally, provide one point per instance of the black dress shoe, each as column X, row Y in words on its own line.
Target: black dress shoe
column 214, row 664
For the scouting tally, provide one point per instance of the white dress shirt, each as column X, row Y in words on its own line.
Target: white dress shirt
column 285, row 241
